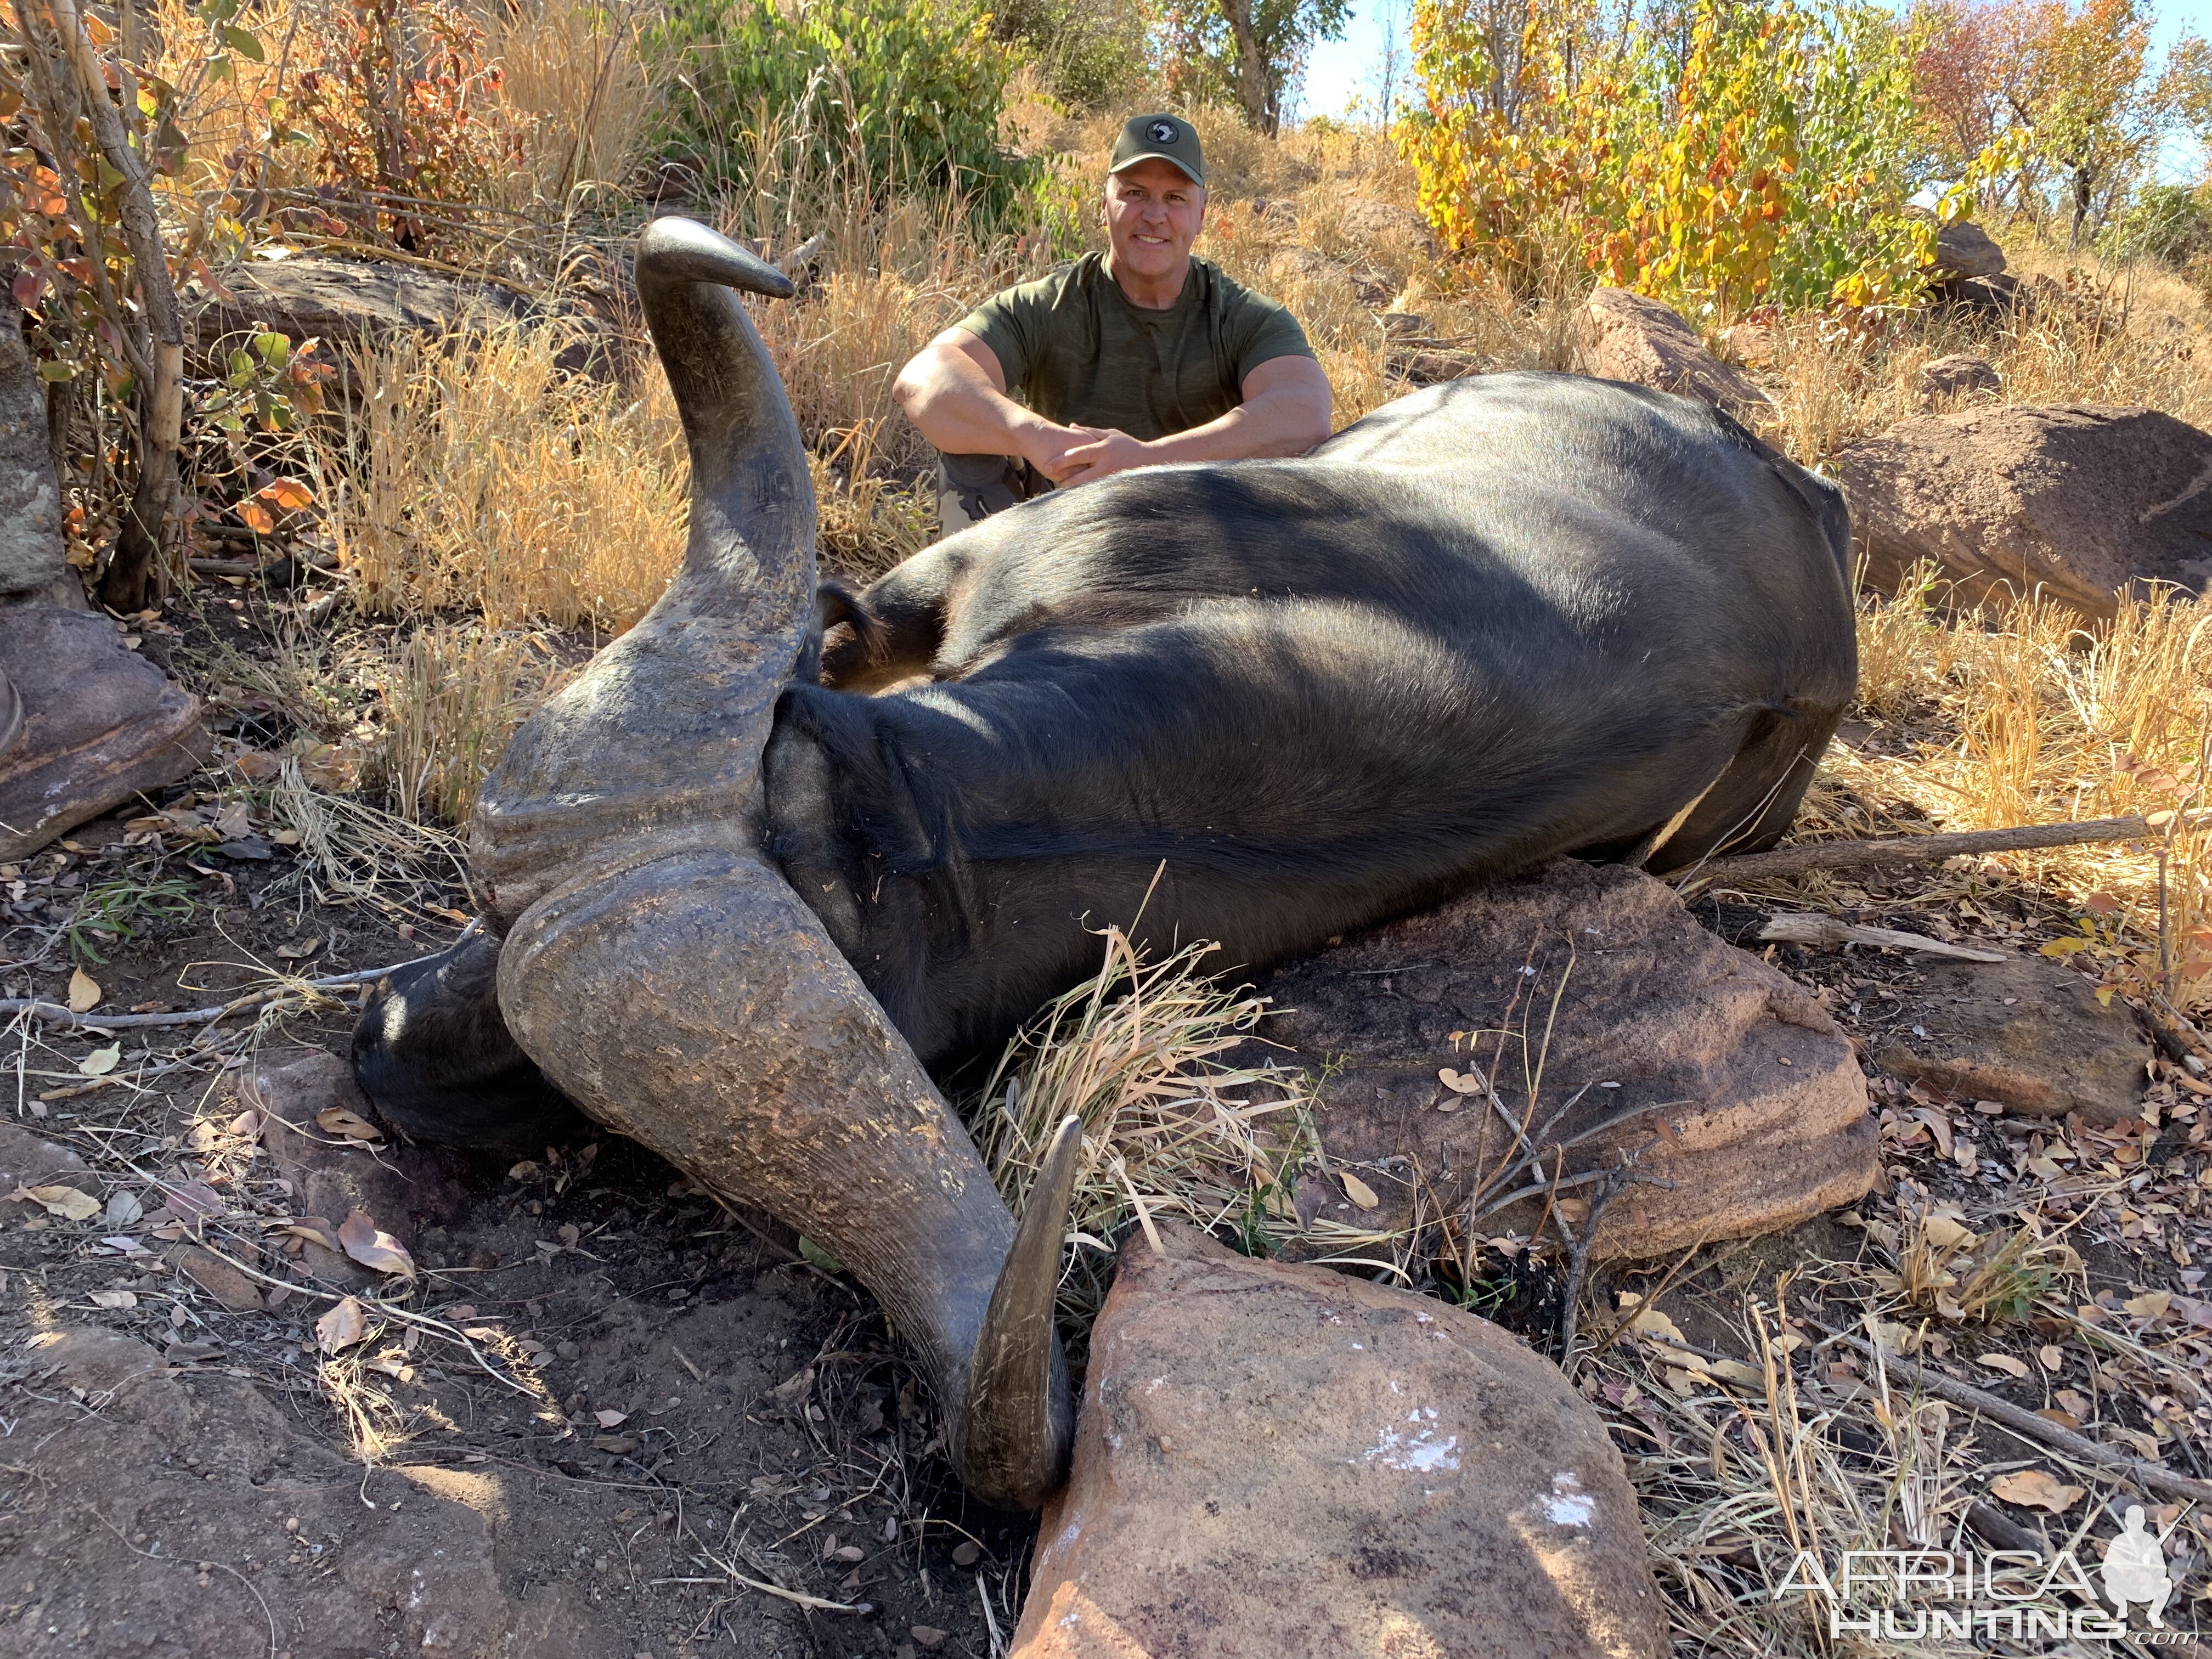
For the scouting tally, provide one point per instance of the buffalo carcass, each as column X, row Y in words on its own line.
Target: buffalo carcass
column 1258, row 703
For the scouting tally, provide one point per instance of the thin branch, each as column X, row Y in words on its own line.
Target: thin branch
column 2155, row 1477
column 54, row 1011
column 1896, row 850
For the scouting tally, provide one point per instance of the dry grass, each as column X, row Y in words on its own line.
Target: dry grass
column 1171, row 1126
column 575, row 79
column 454, row 696
column 486, row 480
column 2024, row 718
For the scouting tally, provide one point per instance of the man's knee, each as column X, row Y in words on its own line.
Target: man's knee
column 971, row 488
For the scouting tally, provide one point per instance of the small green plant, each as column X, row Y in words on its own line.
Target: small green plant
column 116, row 911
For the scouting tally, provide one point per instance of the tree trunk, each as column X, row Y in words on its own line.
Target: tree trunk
column 138, row 576
column 1252, row 79
column 2084, row 191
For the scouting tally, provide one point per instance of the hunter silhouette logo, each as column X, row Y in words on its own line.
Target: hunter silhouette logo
column 1164, row 132
column 2135, row 1569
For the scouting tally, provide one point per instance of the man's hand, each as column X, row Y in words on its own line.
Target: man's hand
column 1054, row 450
column 1111, row 451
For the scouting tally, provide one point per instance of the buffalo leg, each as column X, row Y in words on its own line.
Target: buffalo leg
column 433, row 1056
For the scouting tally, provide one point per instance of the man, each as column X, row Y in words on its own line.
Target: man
column 1143, row 355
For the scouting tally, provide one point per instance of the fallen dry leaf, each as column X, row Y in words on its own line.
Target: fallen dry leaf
column 616, row 1443
column 123, row 1207
column 2051, row 1356
column 113, row 1299
column 1459, row 1084
column 64, row 1201
column 1358, row 1191
column 927, row 1636
column 100, row 1061
column 610, row 1419
column 2002, row 1362
column 232, row 823
column 848, row 1553
column 84, row 992
column 345, row 1324
column 195, row 1199
column 966, row 1554
column 372, row 1247
column 315, row 1230
column 1945, row 1232
column 2151, row 1304
column 2032, row 1489
column 348, row 1126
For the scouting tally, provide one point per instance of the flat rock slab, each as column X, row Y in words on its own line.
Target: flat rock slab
column 2030, row 1033
column 1284, row 1462
column 347, row 301
column 1632, row 336
column 2082, row 503
column 1591, row 990
column 198, row 1466
column 100, row 723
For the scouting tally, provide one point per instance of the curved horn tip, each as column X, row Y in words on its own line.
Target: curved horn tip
column 677, row 249
column 1018, row 1422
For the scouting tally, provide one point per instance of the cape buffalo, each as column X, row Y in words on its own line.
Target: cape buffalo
column 1259, row 704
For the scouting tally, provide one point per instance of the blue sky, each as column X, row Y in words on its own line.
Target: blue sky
column 1344, row 70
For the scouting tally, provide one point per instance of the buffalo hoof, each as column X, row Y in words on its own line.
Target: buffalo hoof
column 433, row 1055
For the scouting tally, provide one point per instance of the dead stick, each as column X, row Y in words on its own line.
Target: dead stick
column 37, row 1010
column 2021, row 1421
column 1930, row 850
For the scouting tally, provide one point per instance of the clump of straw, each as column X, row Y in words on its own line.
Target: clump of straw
column 1169, row 1127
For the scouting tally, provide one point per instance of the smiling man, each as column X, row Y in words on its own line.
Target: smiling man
column 1141, row 355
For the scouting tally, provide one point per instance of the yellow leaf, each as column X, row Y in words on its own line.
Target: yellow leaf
column 100, row 1061
column 84, row 992
column 64, row 1201
column 1360, row 1192
column 2034, row 1489
column 2151, row 1304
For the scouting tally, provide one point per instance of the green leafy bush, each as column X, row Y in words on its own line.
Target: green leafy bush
column 845, row 99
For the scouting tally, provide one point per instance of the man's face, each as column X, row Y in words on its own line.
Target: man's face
column 1153, row 212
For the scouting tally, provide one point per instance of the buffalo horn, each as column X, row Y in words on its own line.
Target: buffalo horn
column 1013, row 1402
column 663, row 974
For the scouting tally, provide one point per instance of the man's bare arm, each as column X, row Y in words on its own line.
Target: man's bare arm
column 954, row 391
column 1285, row 411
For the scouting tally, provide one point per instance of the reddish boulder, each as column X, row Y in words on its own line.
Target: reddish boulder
column 1631, row 337
column 1282, row 1460
column 1609, row 1022
column 2080, row 504
column 100, row 724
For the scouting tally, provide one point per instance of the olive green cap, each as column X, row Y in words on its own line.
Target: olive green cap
column 1162, row 138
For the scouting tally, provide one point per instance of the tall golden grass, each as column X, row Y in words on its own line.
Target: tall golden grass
column 2022, row 716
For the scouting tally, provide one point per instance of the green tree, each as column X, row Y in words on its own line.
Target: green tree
column 1254, row 50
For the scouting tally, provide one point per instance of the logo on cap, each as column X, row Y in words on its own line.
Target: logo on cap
column 1163, row 132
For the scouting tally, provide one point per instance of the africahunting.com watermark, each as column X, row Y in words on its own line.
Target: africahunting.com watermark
column 2019, row 1596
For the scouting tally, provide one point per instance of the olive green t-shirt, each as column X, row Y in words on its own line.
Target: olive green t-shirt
column 1082, row 354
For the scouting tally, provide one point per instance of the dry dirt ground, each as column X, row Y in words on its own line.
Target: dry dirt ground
column 604, row 1415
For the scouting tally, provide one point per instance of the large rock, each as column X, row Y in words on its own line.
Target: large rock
column 2082, row 503
column 1281, row 1461
column 1631, row 337
column 2030, row 1033
column 344, row 302
column 1378, row 224
column 100, row 725
column 1964, row 249
column 1957, row 375
column 31, row 547
column 1592, row 982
